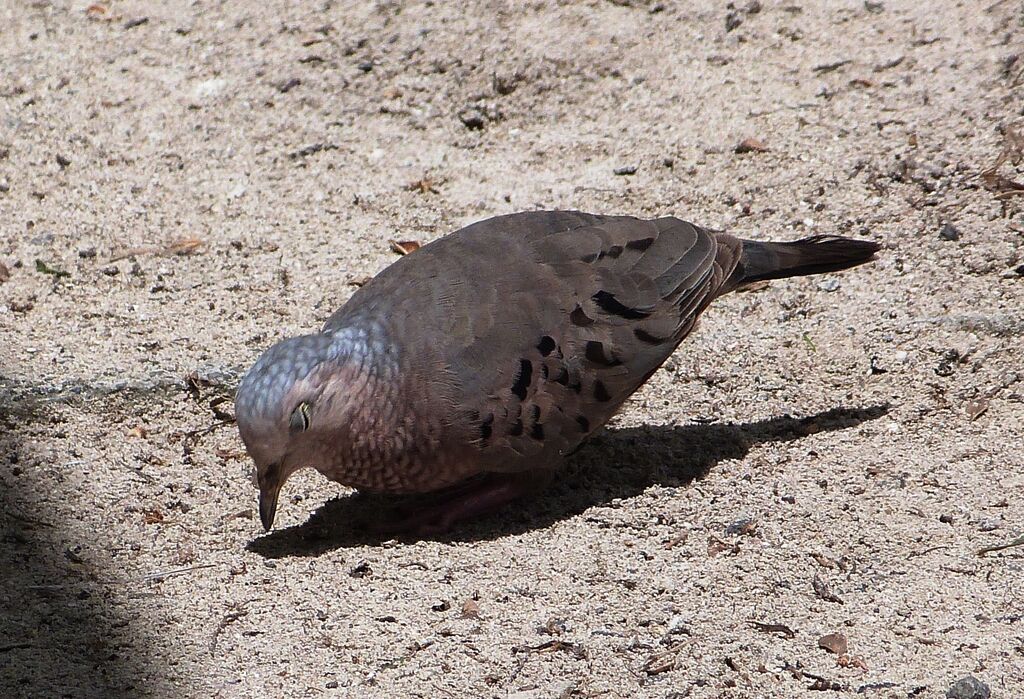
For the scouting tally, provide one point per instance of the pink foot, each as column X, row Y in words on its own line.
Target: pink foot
column 466, row 501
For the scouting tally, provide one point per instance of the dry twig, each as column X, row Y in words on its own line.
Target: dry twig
column 1019, row 541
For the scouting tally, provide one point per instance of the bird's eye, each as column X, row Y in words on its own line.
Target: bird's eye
column 299, row 420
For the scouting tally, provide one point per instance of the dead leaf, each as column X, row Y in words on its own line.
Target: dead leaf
column 834, row 643
column 663, row 661
column 823, row 561
column 424, row 185
column 5, row 273
column 138, row 431
column 183, row 246
column 96, row 9
column 773, row 628
column 717, row 546
column 751, row 145
column 404, row 247
column 1013, row 150
column 358, row 281
column 821, row 684
column 822, row 590
column 553, row 627
column 46, row 269
column 153, row 516
column 471, row 609
column 976, row 408
column 852, row 661
column 554, row 645
column 229, row 454
column 1003, row 186
column 676, row 540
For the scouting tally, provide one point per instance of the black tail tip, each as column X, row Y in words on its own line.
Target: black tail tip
column 840, row 246
column 817, row 254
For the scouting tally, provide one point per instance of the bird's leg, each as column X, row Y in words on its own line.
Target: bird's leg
column 469, row 500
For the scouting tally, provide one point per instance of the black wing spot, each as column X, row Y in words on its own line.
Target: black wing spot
column 641, row 244
column 517, row 428
column 486, row 427
column 609, row 304
column 578, row 317
column 522, row 381
column 584, row 423
column 600, row 392
column 645, row 336
column 595, row 353
column 546, row 345
column 574, row 383
column 537, row 432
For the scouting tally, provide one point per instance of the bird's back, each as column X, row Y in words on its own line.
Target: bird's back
column 532, row 329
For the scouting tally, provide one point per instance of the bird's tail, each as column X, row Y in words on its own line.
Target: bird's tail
column 815, row 255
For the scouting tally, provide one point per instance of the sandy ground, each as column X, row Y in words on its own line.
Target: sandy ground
column 182, row 184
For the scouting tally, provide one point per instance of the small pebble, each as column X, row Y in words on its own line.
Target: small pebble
column 949, row 232
column 745, row 525
column 472, row 118
column 110, row 270
column 829, row 285
column 63, row 161
column 679, row 625
column 625, row 170
column 946, row 518
column 5, row 186
column 969, row 687
column 360, row 570
column 87, row 253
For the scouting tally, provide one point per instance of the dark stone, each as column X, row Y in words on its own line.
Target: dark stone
column 969, row 687
column 472, row 118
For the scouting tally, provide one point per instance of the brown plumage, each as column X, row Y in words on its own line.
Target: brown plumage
column 496, row 350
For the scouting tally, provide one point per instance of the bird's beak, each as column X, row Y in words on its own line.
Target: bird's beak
column 268, row 503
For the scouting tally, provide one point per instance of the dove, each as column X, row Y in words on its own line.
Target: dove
column 471, row 367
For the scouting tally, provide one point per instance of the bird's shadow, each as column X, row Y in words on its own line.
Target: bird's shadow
column 618, row 463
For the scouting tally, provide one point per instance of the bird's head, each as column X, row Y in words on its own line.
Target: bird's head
column 281, row 404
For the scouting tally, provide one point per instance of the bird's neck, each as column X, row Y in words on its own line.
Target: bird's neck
column 368, row 406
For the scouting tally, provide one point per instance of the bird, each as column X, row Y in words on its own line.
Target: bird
column 469, row 368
